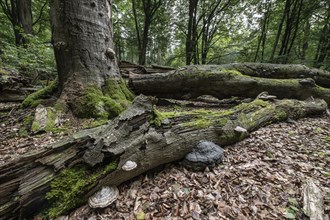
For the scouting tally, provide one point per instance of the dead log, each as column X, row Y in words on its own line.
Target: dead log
column 13, row 87
column 68, row 172
column 160, row 67
column 221, row 82
column 282, row 71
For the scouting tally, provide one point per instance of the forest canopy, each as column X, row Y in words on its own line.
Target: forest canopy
column 176, row 33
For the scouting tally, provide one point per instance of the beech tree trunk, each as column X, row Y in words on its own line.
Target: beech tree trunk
column 243, row 80
column 24, row 12
column 19, row 13
column 83, row 44
column 139, row 135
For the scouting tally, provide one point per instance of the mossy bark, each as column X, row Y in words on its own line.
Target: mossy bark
column 222, row 82
column 139, row 134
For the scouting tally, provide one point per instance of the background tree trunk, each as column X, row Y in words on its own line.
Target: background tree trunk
column 24, row 12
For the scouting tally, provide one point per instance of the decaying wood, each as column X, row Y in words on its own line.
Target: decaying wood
column 13, row 88
column 133, row 136
column 313, row 201
column 128, row 67
column 223, row 82
column 282, row 71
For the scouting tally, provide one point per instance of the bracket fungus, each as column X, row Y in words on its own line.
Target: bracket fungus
column 240, row 129
column 205, row 154
column 129, row 165
column 104, row 197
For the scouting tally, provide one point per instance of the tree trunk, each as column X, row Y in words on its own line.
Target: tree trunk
column 137, row 135
column 24, row 12
column 279, row 31
column 191, row 31
column 228, row 80
column 143, row 50
column 86, row 61
column 82, row 34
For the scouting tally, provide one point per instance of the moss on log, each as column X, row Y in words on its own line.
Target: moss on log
column 94, row 158
column 223, row 82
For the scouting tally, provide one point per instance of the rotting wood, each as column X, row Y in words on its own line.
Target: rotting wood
column 222, row 82
column 140, row 134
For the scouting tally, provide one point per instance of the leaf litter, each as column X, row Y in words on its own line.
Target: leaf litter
column 261, row 178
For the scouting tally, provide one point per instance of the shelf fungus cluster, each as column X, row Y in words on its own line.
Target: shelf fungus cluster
column 104, row 197
column 129, row 165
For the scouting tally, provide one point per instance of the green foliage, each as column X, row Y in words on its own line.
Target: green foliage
column 293, row 209
column 69, row 187
column 35, row 58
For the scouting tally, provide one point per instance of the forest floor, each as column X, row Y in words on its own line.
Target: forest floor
column 260, row 178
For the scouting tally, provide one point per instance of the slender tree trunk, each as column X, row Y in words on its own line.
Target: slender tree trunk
column 305, row 42
column 145, row 39
column 24, row 11
column 136, row 24
column 263, row 36
column 279, row 31
column 323, row 47
column 191, row 31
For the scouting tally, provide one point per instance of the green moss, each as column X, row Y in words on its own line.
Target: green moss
column 327, row 138
column 200, row 118
column 60, row 106
column 94, row 123
column 51, row 117
column 159, row 117
column 26, row 126
column 34, row 99
column 69, row 187
column 35, row 126
column 117, row 90
column 105, row 104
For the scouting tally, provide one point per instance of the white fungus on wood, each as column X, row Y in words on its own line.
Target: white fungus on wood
column 129, row 165
column 240, row 129
column 104, row 197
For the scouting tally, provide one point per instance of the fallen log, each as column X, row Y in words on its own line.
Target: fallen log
column 282, row 71
column 13, row 87
column 65, row 174
column 221, row 82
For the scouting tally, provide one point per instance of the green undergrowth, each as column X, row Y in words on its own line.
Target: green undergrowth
column 34, row 99
column 203, row 118
column 103, row 104
column 70, row 186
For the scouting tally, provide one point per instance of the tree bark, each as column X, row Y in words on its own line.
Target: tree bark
column 139, row 135
column 229, row 80
column 24, row 12
column 83, row 43
column 89, row 78
column 19, row 12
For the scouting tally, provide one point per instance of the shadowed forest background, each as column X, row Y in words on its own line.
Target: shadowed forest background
column 176, row 33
